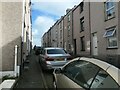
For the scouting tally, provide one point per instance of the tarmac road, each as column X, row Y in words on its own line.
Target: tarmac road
column 33, row 76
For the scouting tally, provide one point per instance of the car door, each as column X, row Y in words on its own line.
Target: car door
column 65, row 79
column 76, row 74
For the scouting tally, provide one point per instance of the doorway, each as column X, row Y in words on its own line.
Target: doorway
column 95, row 44
column 75, row 47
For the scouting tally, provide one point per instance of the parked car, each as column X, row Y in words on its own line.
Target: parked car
column 38, row 50
column 52, row 57
column 87, row 74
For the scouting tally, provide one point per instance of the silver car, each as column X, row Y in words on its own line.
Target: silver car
column 87, row 74
column 52, row 58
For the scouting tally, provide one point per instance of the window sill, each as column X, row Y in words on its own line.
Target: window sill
column 109, row 18
column 112, row 48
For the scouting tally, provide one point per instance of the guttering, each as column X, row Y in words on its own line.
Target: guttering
column 90, row 29
column 23, row 19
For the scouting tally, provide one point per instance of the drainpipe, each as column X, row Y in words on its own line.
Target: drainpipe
column 16, row 57
column 63, row 34
column 90, row 30
column 72, row 35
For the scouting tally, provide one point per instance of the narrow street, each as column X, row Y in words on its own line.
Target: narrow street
column 48, row 44
column 33, row 76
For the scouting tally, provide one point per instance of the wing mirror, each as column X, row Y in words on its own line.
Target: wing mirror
column 58, row 71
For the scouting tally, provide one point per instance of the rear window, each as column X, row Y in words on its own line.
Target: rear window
column 56, row 51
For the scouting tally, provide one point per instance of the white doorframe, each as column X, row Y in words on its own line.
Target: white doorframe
column 94, row 44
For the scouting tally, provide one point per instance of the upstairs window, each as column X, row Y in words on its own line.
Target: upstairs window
column 60, row 25
column 69, row 28
column 81, row 6
column 69, row 18
column 60, row 33
column 82, row 24
column 109, row 9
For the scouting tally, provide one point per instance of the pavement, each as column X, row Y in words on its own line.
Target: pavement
column 32, row 76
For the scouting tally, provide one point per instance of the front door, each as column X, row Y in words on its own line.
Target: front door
column 95, row 44
column 74, row 46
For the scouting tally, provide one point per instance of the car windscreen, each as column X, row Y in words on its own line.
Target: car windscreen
column 56, row 51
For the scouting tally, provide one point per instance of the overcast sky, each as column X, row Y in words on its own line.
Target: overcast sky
column 45, row 13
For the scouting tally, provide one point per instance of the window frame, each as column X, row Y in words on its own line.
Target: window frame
column 108, row 31
column 69, row 17
column 81, row 7
column 68, row 27
column 108, row 37
column 82, row 24
column 108, row 41
column 60, row 25
column 60, row 33
column 82, row 43
column 107, row 15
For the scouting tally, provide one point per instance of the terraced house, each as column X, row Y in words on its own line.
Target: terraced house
column 105, row 33
column 60, row 32
column 81, row 29
column 68, row 31
column 15, row 35
column 92, row 29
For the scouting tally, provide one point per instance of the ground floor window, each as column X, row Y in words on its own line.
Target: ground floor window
column 112, row 42
column 82, row 40
column 111, row 37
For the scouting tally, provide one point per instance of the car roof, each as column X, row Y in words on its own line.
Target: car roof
column 115, row 73
column 97, row 62
column 53, row 48
column 110, row 69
